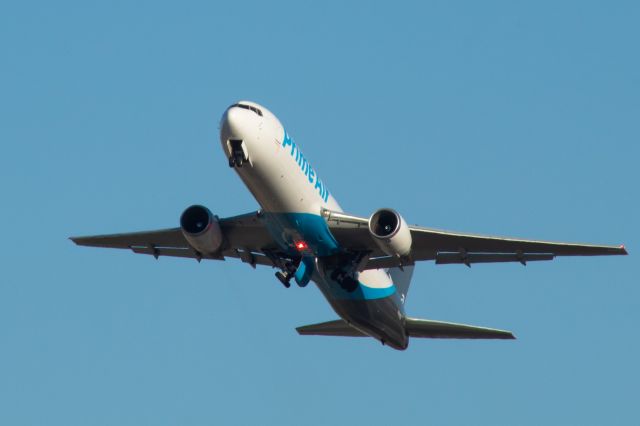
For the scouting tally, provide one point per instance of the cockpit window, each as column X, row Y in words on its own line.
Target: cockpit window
column 249, row 107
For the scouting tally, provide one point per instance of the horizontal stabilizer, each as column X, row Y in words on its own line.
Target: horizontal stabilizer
column 330, row 328
column 449, row 330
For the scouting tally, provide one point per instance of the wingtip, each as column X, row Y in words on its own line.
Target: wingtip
column 623, row 250
column 76, row 240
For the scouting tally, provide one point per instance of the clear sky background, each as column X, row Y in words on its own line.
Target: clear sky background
column 506, row 118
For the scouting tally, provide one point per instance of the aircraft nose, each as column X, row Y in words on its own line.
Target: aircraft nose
column 233, row 123
column 240, row 120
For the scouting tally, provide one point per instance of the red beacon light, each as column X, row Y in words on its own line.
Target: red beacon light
column 301, row 245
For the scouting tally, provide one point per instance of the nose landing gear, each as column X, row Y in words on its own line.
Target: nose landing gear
column 238, row 157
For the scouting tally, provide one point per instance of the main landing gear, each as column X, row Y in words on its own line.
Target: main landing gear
column 301, row 271
column 284, row 278
column 287, row 273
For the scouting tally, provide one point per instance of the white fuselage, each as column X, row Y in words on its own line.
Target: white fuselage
column 292, row 196
column 278, row 176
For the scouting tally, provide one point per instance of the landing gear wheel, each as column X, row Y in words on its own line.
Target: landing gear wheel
column 232, row 162
column 284, row 279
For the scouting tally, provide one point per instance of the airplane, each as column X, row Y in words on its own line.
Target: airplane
column 363, row 266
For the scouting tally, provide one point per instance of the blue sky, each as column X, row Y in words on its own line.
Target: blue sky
column 505, row 118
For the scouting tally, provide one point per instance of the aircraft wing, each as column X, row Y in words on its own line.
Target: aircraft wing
column 447, row 247
column 245, row 238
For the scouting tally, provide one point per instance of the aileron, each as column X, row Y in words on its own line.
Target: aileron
column 171, row 237
column 445, row 241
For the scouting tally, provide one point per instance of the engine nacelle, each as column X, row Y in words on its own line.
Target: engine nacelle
column 390, row 232
column 201, row 229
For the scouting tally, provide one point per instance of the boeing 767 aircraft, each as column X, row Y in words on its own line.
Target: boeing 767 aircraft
column 362, row 266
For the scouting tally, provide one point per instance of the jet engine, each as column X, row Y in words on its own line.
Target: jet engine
column 390, row 232
column 201, row 229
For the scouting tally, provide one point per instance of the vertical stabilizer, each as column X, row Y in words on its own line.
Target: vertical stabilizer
column 402, row 279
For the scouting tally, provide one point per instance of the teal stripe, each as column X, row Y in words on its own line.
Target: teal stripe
column 363, row 292
column 287, row 228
